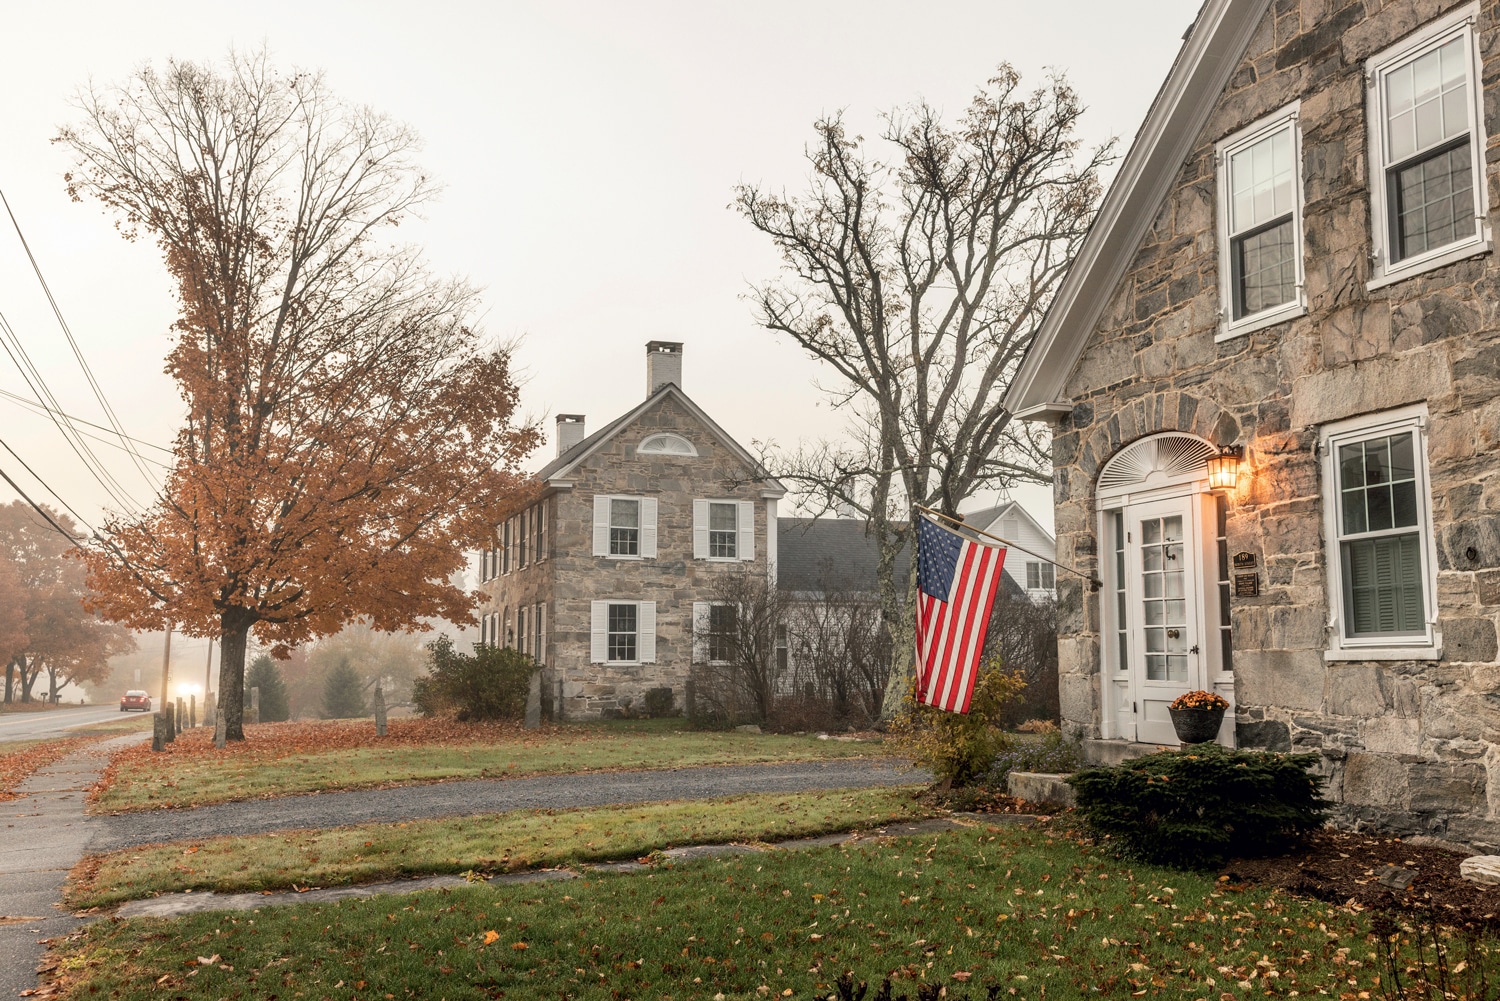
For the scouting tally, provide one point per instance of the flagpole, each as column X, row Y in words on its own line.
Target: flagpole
column 1094, row 582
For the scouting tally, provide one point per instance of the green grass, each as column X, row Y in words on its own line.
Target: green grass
column 522, row 839
column 18, row 746
column 1040, row 915
column 259, row 769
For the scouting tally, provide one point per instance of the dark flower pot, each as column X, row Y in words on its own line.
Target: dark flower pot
column 1196, row 726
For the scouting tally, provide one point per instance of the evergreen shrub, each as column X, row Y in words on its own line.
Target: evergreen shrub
column 491, row 683
column 1195, row 809
column 265, row 675
column 659, row 703
column 343, row 693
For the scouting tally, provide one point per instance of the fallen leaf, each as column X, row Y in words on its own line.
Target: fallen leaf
column 491, row 937
column 208, row 960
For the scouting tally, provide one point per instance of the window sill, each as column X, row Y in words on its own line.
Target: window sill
column 1429, row 262
column 1426, row 651
column 1260, row 321
column 721, row 559
column 621, row 556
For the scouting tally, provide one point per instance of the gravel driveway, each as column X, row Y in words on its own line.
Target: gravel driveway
column 448, row 799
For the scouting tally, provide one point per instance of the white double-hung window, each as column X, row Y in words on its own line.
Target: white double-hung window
column 625, row 527
column 1427, row 142
column 623, row 632
column 723, row 530
column 1260, row 225
column 1382, row 557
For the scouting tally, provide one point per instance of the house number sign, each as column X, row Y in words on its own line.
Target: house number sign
column 1244, row 561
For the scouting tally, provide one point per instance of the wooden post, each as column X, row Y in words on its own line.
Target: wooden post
column 158, row 730
column 380, row 721
column 193, row 711
column 169, row 724
column 253, row 716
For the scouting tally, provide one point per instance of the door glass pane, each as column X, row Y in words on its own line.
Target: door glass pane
column 1163, row 606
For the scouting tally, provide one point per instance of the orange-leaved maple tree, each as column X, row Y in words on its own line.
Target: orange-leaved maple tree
column 349, row 433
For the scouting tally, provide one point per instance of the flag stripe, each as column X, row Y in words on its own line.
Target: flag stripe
column 959, row 578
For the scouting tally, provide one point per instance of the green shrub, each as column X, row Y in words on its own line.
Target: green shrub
column 265, row 675
column 490, row 683
column 1052, row 753
column 343, row 693
column 1194, row 810
column 659, row 702
column 959, row 748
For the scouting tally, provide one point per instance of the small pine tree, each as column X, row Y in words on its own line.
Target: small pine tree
column 265, row 675
column 343, row 693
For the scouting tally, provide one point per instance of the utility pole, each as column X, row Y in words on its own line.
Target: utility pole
column 166, row 669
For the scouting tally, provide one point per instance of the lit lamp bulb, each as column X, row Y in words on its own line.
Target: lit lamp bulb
column 1224, row 468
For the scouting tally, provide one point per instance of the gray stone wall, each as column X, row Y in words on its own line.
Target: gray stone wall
column 573, row 577
column 1409, row 745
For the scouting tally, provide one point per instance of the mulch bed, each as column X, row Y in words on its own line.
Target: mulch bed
column 1344, row 866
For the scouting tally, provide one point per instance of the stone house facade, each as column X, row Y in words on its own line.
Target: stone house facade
column 1293, row 277
column 609, row 580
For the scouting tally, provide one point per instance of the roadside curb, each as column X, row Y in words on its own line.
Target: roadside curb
column 171, row 905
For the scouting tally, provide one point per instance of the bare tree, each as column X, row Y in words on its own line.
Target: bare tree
column 921, row 284
column 735, row 649
column 840, row 651
column 1023, row 635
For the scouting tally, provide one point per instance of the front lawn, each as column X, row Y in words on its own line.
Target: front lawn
column 283, row 759
column 1037, row 913
column 522, row 839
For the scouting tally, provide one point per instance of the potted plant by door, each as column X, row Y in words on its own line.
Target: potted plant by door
column 1196, row 716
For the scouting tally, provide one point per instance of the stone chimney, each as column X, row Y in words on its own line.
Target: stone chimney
column 663, row 364
column 569, row 431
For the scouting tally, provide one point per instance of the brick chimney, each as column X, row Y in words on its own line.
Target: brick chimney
column 663, row 364
column 569, row 431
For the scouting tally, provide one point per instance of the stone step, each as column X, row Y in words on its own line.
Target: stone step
column 1114, row 752
column 1042, row 788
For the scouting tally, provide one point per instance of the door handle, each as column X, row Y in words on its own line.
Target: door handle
column 1172, row 634
column 1193, row 649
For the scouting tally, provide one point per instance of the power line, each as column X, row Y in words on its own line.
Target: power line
column 40, row 510
column 38, row 408
column 38, row 386
column 35, row 476
column 73, row 343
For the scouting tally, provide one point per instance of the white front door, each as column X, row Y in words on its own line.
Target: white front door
column 1163, row 608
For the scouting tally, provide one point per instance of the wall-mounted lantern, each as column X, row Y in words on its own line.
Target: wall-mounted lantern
column 1224, row 468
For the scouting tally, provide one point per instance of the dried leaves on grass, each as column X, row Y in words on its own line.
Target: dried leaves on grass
column 16, row 765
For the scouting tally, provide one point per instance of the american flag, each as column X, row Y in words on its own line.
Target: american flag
column 956, row 583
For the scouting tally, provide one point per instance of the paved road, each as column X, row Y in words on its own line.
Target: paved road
column 54, row 722
column 450, row 799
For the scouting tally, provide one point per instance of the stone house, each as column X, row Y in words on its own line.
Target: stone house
column 608, row 580
column 1292, row 278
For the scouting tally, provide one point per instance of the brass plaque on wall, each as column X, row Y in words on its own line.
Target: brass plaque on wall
column 1244, row 561
column 1247, row 585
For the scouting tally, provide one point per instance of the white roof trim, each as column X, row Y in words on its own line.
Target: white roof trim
column 772, row 488
column 1187, row 98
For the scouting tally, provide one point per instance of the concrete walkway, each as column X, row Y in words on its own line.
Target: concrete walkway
column 171, row 905
column 45, row 834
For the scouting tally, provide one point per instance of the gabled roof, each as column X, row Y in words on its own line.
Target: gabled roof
column 555, row 473
column 819, row 554
column 1214, row 47
column 988, row 516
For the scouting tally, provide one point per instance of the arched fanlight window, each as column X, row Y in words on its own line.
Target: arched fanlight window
column 666, row 444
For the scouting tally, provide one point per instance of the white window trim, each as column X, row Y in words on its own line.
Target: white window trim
column 744, row 528
column 703, row 630
column 1340, row 648
column 646, row 526
column 1229, row 328
column 1463, row 22
column 644, row 448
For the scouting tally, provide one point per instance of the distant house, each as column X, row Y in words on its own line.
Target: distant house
column 608, row 581
column 1031, row 572
column 1274, row 381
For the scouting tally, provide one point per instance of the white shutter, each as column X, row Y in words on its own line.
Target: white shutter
column 700, row 529
column 646, row 635
column 648, row 528
column 599, row 632
column 746, row 525
column 601, row 525
column 700, row 631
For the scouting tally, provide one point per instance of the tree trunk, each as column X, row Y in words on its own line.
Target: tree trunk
column 232, row 639
column 10, row 672
column 28, row 680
